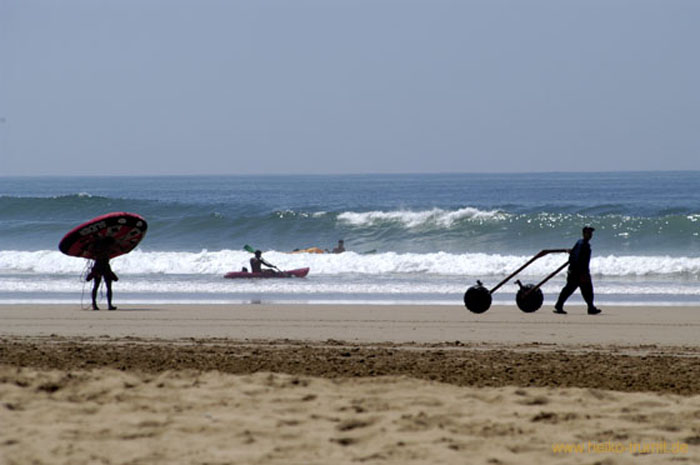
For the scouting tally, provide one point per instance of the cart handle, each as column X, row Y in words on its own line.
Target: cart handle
column 540, row 254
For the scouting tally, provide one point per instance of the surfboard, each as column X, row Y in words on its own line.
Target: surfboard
column 108, row 235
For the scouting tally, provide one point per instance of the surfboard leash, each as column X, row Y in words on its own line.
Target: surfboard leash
column 83, row 277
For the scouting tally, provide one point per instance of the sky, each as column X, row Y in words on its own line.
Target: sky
column 171, row 87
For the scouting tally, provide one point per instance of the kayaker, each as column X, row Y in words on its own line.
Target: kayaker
column 257, row 261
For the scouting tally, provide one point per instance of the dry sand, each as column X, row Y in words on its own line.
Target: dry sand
column 334, row 384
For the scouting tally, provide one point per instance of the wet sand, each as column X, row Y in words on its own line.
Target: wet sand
column 630, row 326
column 336, row 384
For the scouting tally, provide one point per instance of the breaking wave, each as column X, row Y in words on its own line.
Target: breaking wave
column 350, row 263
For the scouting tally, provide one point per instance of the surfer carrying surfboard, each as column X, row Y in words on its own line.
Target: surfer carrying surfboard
column 100, row 239
column 101, row 269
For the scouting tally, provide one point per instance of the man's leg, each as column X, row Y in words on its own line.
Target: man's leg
column 567, row 290
column 108, row 283
column 587, row 293
column 95, row 286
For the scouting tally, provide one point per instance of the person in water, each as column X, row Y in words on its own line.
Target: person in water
column 101, row 269
column 340, row 248
column 579, row 275
column 257, row 261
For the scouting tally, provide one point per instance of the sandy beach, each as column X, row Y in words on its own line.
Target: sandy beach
column 348, row 384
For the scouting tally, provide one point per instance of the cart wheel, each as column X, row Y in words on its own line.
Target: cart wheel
column 477, row 299
column 529, row 300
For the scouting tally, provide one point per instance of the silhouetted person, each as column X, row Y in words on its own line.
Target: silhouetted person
column 257, row 261
column 579, row 275
column 340, row 248
column 101, row 269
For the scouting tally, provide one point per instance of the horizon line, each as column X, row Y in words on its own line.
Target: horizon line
column 334, row 174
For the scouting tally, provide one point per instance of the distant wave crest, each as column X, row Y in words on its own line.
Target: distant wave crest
column 412, row 219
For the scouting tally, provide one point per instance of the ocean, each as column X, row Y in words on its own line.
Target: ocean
column 410, row 239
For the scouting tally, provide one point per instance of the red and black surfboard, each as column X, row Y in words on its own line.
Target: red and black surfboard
column 108, row 235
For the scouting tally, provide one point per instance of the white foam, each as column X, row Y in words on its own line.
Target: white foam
column 412, row 219
column 181, row 277
column 218, row 287
column 41, row 262
column 49, row 262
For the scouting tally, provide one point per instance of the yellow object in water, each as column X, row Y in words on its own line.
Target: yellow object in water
column 309, row 250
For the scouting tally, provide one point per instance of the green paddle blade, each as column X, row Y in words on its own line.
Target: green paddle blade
column 249, row 248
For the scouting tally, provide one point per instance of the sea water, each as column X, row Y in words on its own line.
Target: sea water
column 410, row 239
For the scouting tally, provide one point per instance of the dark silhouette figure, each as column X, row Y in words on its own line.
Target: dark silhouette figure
column 579, row 275
column 340, row 248
column 101, row 269
column 257, row 261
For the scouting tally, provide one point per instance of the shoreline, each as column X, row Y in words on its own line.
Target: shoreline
column 345, row 303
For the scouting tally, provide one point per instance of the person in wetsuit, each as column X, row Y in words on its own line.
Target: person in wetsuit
column 257, row 261
column 101, row 269
column 579, row 275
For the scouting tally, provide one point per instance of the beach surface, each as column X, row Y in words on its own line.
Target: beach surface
column 621, row 325
column 220, row 384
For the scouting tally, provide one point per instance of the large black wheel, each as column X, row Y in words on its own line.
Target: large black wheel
column 529, row 300
column 477, row 299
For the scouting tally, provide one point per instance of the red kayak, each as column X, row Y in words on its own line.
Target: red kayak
column 298, row 273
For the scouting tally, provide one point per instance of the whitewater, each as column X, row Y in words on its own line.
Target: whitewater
column 437, row 278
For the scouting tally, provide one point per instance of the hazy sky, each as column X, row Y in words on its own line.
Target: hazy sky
column 348, row 86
